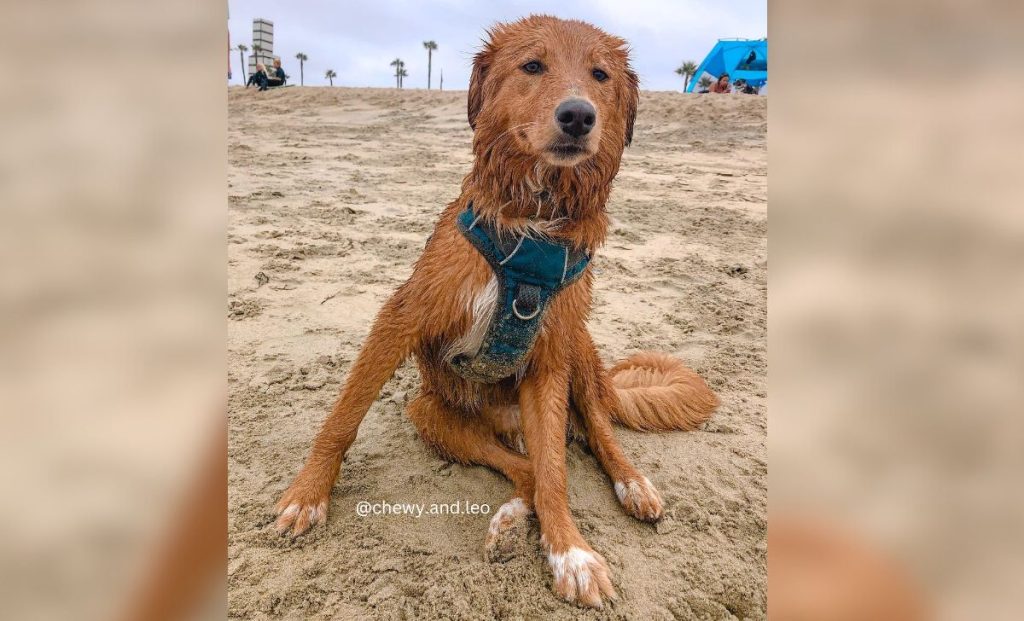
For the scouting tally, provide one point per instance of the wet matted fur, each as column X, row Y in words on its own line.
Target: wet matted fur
column 530, row 176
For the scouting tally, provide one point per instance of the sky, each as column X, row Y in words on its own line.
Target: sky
column 358, row 40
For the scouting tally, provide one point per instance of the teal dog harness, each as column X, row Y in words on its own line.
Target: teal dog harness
column 530, row 273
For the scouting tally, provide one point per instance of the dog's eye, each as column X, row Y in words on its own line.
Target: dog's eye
column 533, row 67
column 599, row 75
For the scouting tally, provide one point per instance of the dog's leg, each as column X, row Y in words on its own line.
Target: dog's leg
column 581, row 574
column 389, row 343
column 594, row 398
column 469, row 440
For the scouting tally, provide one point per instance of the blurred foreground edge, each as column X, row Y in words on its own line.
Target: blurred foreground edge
column 185, row 577
column 819, row 572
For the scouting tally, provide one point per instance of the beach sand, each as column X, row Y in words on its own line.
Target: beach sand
column 332, row 193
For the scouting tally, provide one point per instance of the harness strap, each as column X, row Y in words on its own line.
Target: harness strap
column 530, row 272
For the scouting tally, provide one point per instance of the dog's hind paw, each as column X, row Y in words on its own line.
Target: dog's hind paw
column 640, row 499
column 506, row 523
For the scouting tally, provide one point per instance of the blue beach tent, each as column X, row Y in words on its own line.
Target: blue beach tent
column 745, row 59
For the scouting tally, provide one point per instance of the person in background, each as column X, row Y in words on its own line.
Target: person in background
column 258, row 78
column 277, row 76
column 722, row 85
column 742, row 86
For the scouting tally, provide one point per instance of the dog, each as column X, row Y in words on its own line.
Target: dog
column 495, row 310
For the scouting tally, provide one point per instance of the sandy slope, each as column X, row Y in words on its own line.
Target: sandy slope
column 332, row 195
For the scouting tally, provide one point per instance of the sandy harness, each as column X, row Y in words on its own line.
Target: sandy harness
column 530, row 273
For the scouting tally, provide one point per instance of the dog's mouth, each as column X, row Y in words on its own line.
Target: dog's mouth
column 567, row 150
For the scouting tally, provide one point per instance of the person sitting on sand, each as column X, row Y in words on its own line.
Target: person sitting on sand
column 722, row 85
column 277, row 76
column 259, row 78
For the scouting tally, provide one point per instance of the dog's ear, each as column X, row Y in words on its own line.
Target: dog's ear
column 632, row 102
column 481, row 64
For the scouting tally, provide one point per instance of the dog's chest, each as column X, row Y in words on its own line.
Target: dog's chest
column 506, row 317
column 479, row 306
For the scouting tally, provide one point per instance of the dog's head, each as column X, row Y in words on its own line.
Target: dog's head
column 560, row 92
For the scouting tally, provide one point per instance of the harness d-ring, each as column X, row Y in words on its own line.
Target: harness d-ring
column 515, row 311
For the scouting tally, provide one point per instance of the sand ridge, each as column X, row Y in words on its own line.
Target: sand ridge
column 332, row 193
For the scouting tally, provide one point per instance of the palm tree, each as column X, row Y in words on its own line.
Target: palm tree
column 687, row 69
column 302, row 58
column 705, row 82
column 242, row 49
column 431, row 46
column 256, row 49
column 442, row 79
column 400, row 72
column 330, row 75
column 398, row 64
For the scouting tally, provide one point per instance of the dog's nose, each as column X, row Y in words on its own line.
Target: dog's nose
column 576, row 117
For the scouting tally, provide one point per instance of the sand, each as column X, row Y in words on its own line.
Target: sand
column 332, row 193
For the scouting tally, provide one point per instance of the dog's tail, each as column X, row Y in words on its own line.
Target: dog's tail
column 659, row 393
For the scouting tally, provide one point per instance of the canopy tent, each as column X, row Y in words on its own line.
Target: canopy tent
column 745, row 59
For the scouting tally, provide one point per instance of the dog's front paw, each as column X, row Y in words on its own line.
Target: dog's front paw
column 640, row 499
column 506, row 523
column 299, row 510
column 581, row 576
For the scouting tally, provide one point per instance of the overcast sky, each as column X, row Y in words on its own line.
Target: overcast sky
column 359, row 39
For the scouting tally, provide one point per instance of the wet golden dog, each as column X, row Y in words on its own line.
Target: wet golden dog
column 552, row 104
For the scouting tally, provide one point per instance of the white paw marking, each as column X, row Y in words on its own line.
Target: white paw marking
column 581, row 576
column 294, row 510
column 633, row 494
column 507, row 514
column 573, row 563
